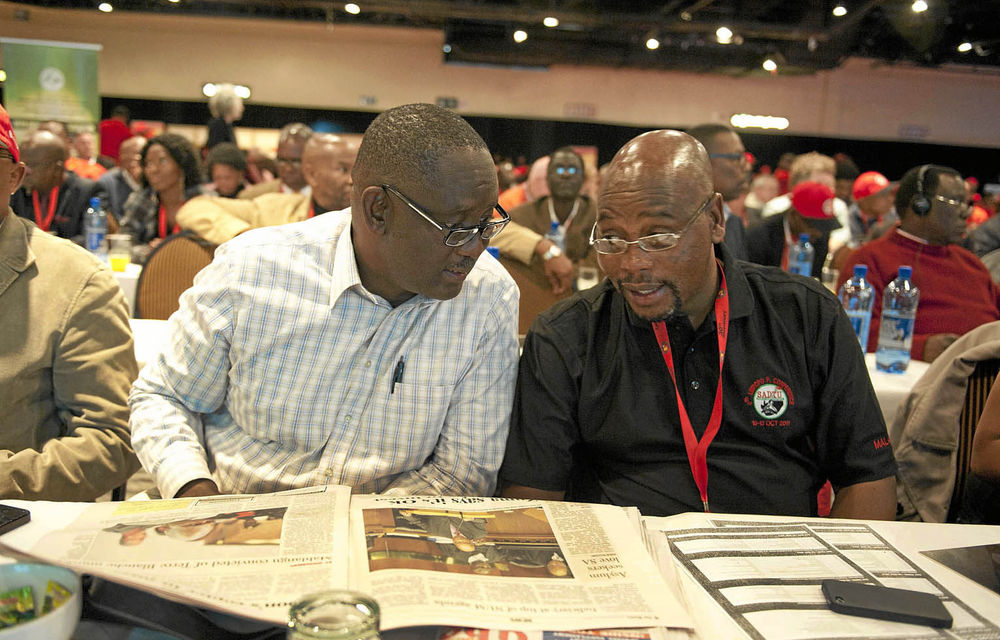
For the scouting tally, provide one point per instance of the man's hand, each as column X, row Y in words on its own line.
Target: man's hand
column 198, row 488
column 558, row 269
column 936, row 344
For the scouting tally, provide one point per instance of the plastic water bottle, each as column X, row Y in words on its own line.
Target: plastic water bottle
column 857, row 295
column 95, row 224
column 557, row 236
column 800, row 256
column 493, row 251
column 899, row 312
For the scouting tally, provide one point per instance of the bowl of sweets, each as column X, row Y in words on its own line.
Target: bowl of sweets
column 38, row 601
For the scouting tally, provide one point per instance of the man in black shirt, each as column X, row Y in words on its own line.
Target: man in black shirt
column 597, row 416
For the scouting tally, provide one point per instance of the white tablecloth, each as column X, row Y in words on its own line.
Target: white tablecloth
column 149, row 337
column 892, row 388
column 128, row 280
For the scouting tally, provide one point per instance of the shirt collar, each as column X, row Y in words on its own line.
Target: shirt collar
column 346, row 275
column 741, row 300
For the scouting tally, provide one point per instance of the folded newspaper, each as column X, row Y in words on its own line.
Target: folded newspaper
column 458, row 561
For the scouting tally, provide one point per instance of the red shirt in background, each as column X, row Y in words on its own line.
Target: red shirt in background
column 113, row 133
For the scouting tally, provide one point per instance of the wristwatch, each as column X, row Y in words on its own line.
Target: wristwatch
column 552, row 252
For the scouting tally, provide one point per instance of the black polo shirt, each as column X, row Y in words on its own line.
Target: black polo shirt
column 595, row 412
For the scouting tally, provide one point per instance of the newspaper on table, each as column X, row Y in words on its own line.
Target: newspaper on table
column 761, row 579
column 507, row 564
column 428, row 561
column 249, row 555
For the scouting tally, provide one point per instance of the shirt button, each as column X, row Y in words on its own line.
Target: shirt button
column 691, row 350
column 695, row 385
column 347, row 419
column 368, row 363
column 329, row 473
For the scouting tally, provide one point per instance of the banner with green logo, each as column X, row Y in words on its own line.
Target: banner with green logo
column 51, row 81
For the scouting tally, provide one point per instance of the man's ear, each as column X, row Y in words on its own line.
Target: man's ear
column 718, row 216
column 375, row 209
column 17, row 172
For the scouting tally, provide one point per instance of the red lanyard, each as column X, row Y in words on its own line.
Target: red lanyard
column 697, row 451
column 312, row 210
column 163, row 223
column 53, row 200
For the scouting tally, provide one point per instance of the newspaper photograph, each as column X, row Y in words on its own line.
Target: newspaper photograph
column 506, row 564
column 248, row 555
column 766, row 577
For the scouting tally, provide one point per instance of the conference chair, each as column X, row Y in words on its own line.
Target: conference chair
column 536, row 293
column 932, row 433
column 169, row 272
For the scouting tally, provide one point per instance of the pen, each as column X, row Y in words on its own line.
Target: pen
column 397, row 376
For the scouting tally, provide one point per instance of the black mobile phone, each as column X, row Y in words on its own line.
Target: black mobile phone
column 886, row 603
column 12, row 517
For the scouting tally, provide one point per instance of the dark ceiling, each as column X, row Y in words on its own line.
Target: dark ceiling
column 802, row 36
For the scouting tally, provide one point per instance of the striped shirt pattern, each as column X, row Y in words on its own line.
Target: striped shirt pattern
column 278, row 374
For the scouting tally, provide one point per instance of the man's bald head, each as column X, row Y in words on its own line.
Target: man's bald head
column 44, row 153
column 658, row 190
column 327, row 163
column 663, row 164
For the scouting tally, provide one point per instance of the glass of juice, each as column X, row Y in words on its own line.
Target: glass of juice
column 119, row 250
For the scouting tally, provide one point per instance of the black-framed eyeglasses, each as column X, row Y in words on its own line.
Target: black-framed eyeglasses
column 457, row 236
column 654, row 242
column 4, row 153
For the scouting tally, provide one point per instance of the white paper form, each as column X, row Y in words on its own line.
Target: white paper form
column 767, row 577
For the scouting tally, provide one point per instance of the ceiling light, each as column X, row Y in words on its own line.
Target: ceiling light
column 520, row 36
column 652, row 44
column 965, row 47
column 770, row 65
column 551, row 21
column 3, row 76
column 724, row 35
column 105, row 7
column 744, row 120
column 209, row 89
column 840, row 11
column 919, row 6
column 352, row 8
column 242, row 91
column 175, row 1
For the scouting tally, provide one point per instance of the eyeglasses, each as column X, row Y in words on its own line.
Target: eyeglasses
column 457, row 236
column 295, row 162
column 952, row 202
column 655, row 242
column 5, row 153
column 729, row 156
column 563, row 171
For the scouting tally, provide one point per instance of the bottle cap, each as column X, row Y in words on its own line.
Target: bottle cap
column 95, row 203
column 493, row 251
column 554, row 226
column 803, row 237
column 860, row 270
column 905, row 272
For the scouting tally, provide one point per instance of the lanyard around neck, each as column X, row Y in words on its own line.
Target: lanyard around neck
column 163, row 223
column 569, row 218
column 53, row 200
column 697, row 450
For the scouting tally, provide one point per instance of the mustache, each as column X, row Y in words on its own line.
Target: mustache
column 465, row 265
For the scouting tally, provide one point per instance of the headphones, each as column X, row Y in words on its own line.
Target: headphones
column 920, row 203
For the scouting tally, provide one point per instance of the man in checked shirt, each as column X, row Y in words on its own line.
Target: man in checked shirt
column 372, row 347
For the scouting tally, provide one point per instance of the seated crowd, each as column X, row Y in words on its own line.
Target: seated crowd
column 350, row 329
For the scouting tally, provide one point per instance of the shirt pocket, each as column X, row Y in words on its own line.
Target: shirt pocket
column 406, row 424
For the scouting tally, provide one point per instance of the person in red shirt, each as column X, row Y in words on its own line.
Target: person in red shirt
column 957, row 293
column 114, row 131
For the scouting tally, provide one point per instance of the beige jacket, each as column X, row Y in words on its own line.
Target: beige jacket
column 257, row 190
column 217, row 220
column 66, row 365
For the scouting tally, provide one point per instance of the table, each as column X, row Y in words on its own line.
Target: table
column 148, row 336
column 128, row 280
column 892, row 388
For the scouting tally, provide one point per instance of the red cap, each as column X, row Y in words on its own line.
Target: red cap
column 814, row 200
column 7, row 138
column 868, row 184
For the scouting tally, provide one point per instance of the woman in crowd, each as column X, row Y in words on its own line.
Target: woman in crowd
column 170, row 177
column 226, row 108
column 225, row 167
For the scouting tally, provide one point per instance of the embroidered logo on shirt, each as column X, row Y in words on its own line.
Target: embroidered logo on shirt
column 770, row 398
